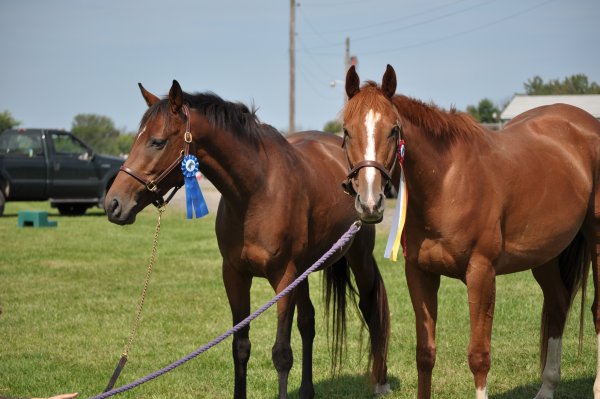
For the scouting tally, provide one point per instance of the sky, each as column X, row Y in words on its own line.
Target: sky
column 61, row 58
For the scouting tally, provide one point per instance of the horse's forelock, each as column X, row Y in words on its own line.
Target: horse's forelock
column 157, row 109
column 368, row 98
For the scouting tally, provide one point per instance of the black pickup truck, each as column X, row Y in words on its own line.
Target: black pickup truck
column 41, row 164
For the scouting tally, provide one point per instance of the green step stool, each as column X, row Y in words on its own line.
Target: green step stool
column 35, row 219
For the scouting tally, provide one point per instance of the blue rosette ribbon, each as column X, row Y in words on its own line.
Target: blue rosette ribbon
column 193, row 196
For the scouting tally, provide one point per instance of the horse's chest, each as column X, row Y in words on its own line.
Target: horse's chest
column 439, row 258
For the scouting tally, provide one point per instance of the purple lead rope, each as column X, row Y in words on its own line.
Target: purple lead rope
column 345, row 239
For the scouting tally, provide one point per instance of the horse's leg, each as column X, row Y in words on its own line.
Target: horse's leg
column 596, row 306
column 481, row 288
column 282, row 350
column 373, row 305
column 306, row 326
column 554, row 315
column 238, row 293
column 423, row 288
column 594, row 245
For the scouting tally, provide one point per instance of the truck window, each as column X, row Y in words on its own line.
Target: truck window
column 21, row 144
column 65, row 144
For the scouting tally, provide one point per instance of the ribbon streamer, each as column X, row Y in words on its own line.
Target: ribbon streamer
column 193, row 196
column 395, row 238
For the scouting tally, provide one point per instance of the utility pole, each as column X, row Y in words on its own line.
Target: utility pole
column 346, row 64
column 292, row 122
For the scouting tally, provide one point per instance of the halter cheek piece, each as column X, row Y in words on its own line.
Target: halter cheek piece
column 385, row 174
column 152, row 185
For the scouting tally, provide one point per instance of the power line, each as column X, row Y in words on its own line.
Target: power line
column 394, row 20
column 425, row 22
column 464, row 32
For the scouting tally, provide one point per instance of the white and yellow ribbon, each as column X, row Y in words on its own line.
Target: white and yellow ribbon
column 395, row 238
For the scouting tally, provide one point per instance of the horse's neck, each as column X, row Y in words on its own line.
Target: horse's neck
column 426, row 163
column 236, row 167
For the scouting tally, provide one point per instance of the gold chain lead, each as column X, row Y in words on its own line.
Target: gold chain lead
column 136, row 321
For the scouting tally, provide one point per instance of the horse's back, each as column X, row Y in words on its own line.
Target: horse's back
column 550, row 119
column 320, row 150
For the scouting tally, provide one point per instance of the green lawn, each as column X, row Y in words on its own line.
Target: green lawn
column 69, row 295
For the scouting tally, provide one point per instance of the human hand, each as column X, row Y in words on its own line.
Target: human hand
column 63, row 396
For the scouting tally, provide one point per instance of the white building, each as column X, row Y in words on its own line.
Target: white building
column 522, row 103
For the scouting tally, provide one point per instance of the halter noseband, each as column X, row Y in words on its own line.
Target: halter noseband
column 387, row 175
column 152, row 185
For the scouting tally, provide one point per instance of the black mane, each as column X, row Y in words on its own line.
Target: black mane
column 226, row 115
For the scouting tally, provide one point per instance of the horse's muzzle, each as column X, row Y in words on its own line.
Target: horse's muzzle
column 117, row 213
column 371, row 210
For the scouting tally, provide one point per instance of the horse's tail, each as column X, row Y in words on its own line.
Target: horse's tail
column 379, row 325
column 336, row 287
column 574, row 264
column 339, row 288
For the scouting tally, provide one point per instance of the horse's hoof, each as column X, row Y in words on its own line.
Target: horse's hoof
column 382, row 389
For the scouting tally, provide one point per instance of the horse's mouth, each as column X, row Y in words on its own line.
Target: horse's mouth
column 371, row 218
column 130, row 219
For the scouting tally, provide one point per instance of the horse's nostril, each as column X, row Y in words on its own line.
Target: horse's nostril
column 113, row 207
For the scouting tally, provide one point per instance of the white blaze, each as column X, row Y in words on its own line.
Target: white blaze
column 370, row 122
column 481, row 393
column 140, row 133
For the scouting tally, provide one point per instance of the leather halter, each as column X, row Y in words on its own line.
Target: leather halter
column 347, row 184
column 385, row 174
column 152, row 185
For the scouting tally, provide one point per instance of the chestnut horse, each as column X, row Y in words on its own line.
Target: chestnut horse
column 274, row 219
column 481, row 204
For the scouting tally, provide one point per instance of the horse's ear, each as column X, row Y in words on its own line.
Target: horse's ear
column 388, row 84
column 150, row 98
column 175, row 97
column 352, row 82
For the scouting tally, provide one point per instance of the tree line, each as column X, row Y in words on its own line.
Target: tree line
column 101, row 134
column 486, row 111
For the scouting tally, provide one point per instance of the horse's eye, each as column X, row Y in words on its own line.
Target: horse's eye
column 157, row 143
column 395, row 131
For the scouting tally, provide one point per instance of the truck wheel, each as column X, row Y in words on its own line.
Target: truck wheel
column 2, row 202
column 72, row 209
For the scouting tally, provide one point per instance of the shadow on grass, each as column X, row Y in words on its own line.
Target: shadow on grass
column 580, row 388
column 347, row 386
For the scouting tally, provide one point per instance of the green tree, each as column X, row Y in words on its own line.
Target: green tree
column 333, row 126
column 574, row 84
column 485, row 111
column 124, row 143
column 98, row 131
column 7, row 121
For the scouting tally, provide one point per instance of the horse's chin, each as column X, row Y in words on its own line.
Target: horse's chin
column 371, row 218
column 122, row 221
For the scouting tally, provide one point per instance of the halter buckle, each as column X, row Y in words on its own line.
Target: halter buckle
column 151, row 186
column 187, row 137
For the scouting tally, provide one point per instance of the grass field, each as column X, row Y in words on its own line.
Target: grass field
column 69, row 296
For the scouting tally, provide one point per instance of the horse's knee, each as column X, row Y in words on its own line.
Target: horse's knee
column 241, row 349
column 425, row 358
column 479, row 362
column 282, row 357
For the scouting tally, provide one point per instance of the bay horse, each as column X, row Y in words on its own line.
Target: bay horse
column 481, row 204
column 274, row 219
